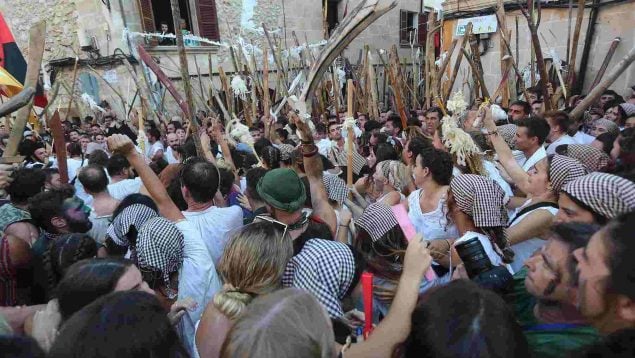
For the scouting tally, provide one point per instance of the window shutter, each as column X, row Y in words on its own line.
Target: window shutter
column 207, row 19
column 403, row 27
column 147, row 16
column 423, row 28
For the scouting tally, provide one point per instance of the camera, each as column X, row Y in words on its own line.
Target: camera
column 480, row 269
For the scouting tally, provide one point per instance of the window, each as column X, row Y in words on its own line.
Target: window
column 412, row 27
column 199, row 17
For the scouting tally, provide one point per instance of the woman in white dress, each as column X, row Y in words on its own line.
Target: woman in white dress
column 427, row 207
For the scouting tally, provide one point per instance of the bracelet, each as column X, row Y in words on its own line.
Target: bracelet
column 310, row 153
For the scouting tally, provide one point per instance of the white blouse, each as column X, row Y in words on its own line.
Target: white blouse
column 433, row 225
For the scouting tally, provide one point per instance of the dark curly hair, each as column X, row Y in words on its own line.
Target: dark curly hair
column 438, row 162
column 62, row 253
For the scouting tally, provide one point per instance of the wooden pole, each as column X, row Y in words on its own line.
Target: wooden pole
column 457, row 64
column 477, row 74
column 597, row 91
column 185, row 76
column 574, row 43
column 397, row 84
column 351, row 134
column 72, row 93
column 429, row 56
column 544, row 76
column 504, row 64
column 519, row 76
column 266, row 101
column 606, row 61
column 59, row 143
column 37, row 35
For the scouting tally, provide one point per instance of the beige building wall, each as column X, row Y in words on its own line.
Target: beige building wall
column 613, row 21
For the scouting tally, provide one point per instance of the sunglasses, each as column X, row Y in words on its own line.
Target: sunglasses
column 271, row 220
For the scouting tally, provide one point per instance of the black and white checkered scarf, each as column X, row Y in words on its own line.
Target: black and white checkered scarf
column 592, row 158
column 324, row 268
column 606, row 194
column 563, row 170
column 481, row 198
column 335, row 188
column 160, row 247
column 377, row 220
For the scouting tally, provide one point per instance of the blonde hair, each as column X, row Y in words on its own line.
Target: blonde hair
column 291, row 314
column 252, row 264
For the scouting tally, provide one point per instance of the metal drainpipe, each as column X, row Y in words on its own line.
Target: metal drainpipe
column 588, row 39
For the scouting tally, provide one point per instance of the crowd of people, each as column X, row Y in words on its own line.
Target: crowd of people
column 473, row 231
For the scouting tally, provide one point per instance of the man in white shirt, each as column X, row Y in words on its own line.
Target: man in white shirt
column 530, row 138
column 559, row 123
column 154, row 151
column 173, row 142
column 199, row 184
column 121, row 174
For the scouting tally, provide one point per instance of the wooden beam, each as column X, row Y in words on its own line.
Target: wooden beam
column 18, row 101
column 185, row 77
column 37, row 35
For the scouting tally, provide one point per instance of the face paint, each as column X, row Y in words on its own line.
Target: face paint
column 76, row 214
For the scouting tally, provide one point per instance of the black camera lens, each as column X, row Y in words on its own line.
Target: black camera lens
column 474, row 257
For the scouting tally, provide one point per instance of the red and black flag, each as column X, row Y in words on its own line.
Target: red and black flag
column 12, row 61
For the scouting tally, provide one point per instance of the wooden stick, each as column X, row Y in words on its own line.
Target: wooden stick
column 374, row 105
column 266, row 102
column 185, row 77
column 60, row 146
column 18, row 101
column 37, row 35
column 597, row 91
column 519, row 76
column 607, row 59
column 444, row 65
column 504, row 64
column 544, row 76
column 397, row 80
column 570, row 14
column 574, row 43
column 276, row 58
column 477, row 74
column 351, row 134
column 72, row 94
column 457, row 64
column 429, row 56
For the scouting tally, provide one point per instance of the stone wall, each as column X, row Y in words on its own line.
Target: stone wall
column 61, row 17
column 613, row 20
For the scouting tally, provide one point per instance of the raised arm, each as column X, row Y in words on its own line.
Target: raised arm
column 119, row 143
column 505, row 156
column 313, row 169
column 395, row 328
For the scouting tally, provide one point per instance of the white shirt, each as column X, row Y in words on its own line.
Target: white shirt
column 583, row 138
column 565, row 139
column 530, row 162
column 433, row 225
column 169, row 156
column 495, row 175
column 214, row 225
column 124, row 188
column 523, row 250
column 151, row 150
column 197, row 279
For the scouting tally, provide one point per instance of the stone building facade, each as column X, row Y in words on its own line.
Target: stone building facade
column 101, row 26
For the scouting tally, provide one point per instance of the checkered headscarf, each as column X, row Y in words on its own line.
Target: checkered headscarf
column 341, row 157
column 134, row 215
column 610, row 126
column 160, row 247
column 390, row 170
column 592, row 158
column 606, row 194
column 508, row 133
column 335, row 188
column 481, row 198
column 377, row 220
column 563, row 170
column 324, row 268
column 286, row 151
